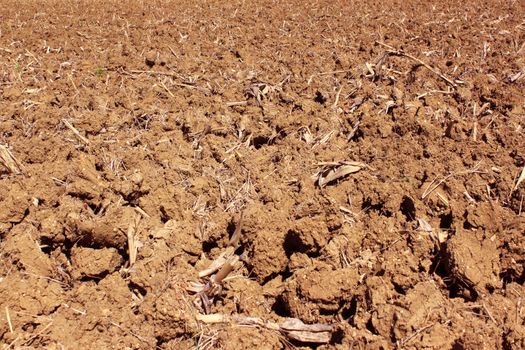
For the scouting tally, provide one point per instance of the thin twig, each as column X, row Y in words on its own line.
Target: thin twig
column 139, row 337
column 37, row 334
column 518, row 309
column 326, row 73
column 397, row 52
column 9, row 161
column 419, row 331
column 436, row 183
column 489, row 314
column 8, row 317
column 334, row 106
column 11, row 344
column 152, row 72
column 75, row 131
column 166, row 88
column 236, row 103
column 142, row 212
column 520, row 179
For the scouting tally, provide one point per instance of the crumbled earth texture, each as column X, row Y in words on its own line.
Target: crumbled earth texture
column 147, row 127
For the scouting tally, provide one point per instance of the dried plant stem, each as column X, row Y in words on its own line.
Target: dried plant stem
column 30, row 339
column 292, row 328
column 436, row 183
column 334, row 106
column 132, row 247
column 139, row 337
column 7, row 347
column 8, row 317
column 520, row 179
column 225, row 269
column 136, row 71
column 217, row 263
column 142, row 212
column 236, row 103
column 234, row 240
column 396, row 52
column 326, row 73
column 72, row 82
column 9, row 161
column 166, row 88
column 75, row 131
column 245, row 320
column 173, row 75
column 419, row 331
column 489, row 314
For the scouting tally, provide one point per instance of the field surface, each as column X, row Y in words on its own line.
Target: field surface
column 262, row 174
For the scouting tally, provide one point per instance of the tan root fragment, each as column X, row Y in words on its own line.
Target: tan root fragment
column 332, row 171
column 142, row 212
column 517, row 76
column 307, row 136
column 292, row 328
column 9, row 161
column 338, row 94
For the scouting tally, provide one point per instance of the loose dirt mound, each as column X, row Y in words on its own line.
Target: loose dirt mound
column 374, row 150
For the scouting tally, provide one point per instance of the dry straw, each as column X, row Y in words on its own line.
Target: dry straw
column 9, row 161
column 520, row 179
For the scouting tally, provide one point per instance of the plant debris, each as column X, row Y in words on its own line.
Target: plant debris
column 9, row 161
column 331, row 171
column 292, row 328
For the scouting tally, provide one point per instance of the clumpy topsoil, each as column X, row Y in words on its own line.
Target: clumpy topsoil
column 374, row 149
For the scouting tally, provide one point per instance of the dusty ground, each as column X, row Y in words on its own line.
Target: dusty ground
column 188, row 115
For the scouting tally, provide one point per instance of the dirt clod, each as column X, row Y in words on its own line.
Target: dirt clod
column 94, row 263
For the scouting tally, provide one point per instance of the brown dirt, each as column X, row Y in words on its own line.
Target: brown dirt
column 192, row 113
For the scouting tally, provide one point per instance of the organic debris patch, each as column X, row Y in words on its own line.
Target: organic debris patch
column 262, row 174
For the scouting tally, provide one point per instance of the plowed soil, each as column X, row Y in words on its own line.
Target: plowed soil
column 373, row 148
